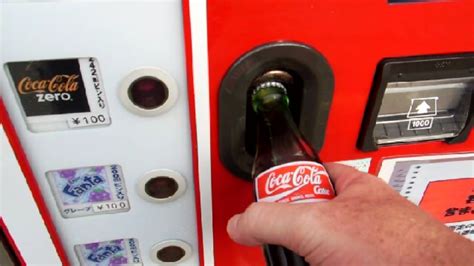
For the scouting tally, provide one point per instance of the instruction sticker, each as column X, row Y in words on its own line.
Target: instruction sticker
column 359, row 164
column 442, row 185
column 443, row 189
column 60, row 94
column 106, row 253
column 458, row 207
column 465, row 229
column 89, row 190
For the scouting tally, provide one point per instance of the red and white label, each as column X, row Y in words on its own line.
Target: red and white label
column 302, row 181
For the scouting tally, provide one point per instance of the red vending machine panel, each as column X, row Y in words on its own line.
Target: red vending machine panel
column 362, row 42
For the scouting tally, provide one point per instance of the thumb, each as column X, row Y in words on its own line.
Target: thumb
column 271, row 223
column 345, row 176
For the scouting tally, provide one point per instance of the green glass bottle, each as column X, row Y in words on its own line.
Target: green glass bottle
column 286, row 169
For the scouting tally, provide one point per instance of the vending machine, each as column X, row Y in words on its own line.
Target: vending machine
column 128, row 135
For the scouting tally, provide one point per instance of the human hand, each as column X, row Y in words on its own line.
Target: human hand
column 368, row 223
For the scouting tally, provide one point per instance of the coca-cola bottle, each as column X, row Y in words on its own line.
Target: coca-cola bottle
column 286, row 169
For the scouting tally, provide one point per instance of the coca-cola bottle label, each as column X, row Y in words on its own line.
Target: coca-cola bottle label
column 302, row 181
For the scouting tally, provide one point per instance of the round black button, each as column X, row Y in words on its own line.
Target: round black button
column 148, row 92
column 161, row 187
column 170, row 254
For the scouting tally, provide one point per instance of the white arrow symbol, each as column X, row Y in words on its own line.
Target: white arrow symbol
column 423, row 108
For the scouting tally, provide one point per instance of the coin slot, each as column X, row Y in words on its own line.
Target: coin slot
column 170, row 252
column 161, row 185
column 414, row 100
column 148, row 91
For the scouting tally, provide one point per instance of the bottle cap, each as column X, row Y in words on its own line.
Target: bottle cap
column 269, row 84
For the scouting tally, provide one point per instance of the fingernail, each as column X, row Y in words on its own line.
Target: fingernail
column 232, row 224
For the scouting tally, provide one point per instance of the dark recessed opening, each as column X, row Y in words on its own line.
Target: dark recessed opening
column 310, row 96
column 148, row 92
column 161, row 187
column 7, row 253
column 170, row 254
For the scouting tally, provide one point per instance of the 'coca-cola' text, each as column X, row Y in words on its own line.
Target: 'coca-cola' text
column 296, row 181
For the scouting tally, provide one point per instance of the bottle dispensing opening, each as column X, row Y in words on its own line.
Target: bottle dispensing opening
column 310, row 83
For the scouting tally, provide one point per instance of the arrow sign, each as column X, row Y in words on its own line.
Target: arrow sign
column 423, row 108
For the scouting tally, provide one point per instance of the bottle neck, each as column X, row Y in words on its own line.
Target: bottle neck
column 276, row 122
column 279, row 139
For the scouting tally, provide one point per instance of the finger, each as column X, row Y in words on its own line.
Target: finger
column 343, row 176
column 270, row 223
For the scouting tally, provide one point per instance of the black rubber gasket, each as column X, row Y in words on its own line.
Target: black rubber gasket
column 310, row 99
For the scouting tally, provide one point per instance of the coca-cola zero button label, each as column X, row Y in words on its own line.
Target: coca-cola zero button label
column 302, row 181
column 59, row 94
column 49, row 87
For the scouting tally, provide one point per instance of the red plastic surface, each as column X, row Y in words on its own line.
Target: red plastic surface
column 353, row 35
